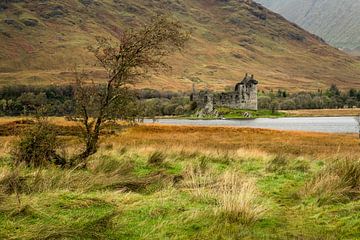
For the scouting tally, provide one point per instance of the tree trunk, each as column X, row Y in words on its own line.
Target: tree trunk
column 91, row 142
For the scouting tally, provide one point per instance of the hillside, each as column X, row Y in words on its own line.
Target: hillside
column 336, row 21
column 41, row 41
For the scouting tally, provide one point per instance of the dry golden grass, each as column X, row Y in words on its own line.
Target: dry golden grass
column 230, row 139
column 199, row 182
column 5, row 145
column 61, row 121
column 238, row 199
column 339, row 181
column 324, row 112
column 240, row 142
column 235, row 197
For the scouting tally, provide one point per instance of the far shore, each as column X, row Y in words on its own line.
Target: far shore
column 341, row 112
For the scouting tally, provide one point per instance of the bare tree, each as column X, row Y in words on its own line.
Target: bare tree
column 125, row 61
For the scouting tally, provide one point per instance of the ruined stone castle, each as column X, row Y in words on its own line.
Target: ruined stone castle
column 244, row 96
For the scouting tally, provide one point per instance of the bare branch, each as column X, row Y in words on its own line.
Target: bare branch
column 126, row 60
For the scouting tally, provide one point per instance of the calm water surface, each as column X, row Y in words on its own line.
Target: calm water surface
column 313, row 124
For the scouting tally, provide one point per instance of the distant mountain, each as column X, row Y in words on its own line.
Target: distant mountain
column 337, row 21
column 42, row 40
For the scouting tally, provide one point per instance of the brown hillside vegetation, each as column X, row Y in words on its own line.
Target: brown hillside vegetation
column 41, row 41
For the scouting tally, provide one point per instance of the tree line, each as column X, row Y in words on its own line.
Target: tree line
column 19, row 100
column 331, row 98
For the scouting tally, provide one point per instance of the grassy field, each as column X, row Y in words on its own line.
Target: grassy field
column 171, row 182
column 239, row 114
column 323, row 112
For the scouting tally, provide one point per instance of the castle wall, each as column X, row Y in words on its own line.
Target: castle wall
column 244, row 97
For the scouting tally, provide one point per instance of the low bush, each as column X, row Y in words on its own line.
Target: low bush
column 37, row 146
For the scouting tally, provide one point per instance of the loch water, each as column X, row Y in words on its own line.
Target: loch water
column 311, row 124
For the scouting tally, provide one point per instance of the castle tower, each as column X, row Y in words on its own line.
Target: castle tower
column 247, row 90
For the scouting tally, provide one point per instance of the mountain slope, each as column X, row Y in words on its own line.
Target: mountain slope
column 336, row 21
column 41, row 41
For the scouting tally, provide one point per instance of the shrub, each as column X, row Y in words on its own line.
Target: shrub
column 179, row 110
column 37, row 146
column 337, row 182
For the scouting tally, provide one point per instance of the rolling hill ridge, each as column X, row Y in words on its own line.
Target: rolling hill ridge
column 336, row 21
column 42, row 41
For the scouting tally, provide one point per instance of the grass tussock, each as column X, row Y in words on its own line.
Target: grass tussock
column 59, row 215
column 109, row 164
column 108, row 170
column 281, row 163
column 156, row 158
column 235, row 198
column 337, row 182
column 238, row 199
column 43, row 180
column 199, row 182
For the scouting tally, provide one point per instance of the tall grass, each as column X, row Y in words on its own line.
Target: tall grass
column 156, row 158
column 281, row 163
column 238, row 199
column 337, row 182
column 235, row 198
column 199, row 183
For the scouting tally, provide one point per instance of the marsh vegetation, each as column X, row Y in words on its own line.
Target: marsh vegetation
column 173, row 182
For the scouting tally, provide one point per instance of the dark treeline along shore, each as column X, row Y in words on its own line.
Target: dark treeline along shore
column 20, row 100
